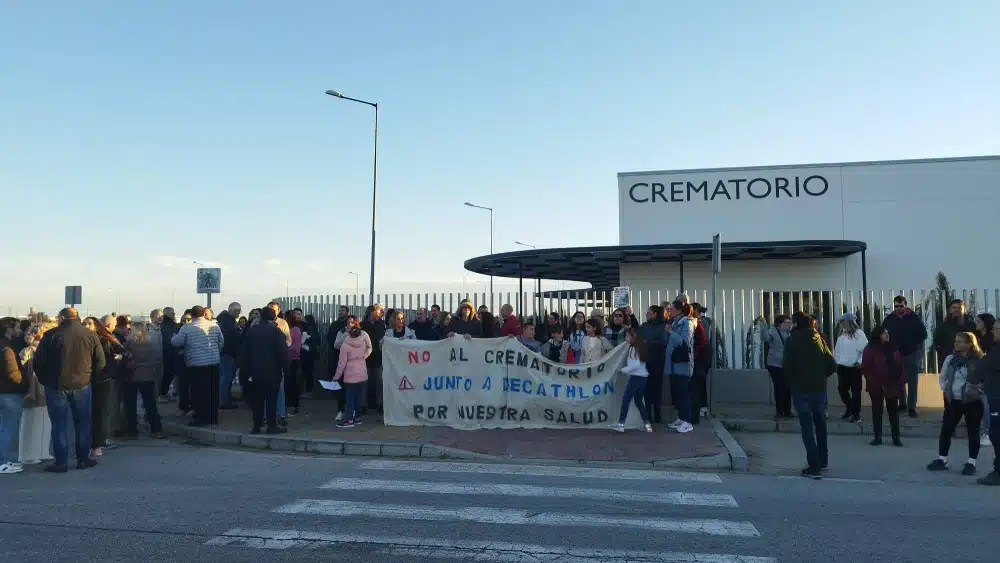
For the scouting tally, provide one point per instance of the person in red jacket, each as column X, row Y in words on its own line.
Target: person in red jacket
column 884, row 373
column 511, row 324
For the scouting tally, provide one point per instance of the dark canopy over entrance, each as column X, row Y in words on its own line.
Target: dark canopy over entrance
column 600, row 265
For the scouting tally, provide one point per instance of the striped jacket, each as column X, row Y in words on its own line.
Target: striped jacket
column 201, row 341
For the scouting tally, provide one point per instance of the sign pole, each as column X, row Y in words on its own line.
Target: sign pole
column 716, row 270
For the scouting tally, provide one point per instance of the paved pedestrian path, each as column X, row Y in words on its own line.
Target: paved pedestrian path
column 477, row 512
column 316, row 422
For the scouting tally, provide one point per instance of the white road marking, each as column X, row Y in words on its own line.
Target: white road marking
column 541, row 471
column 488, row 489
column 485, row 515
column 477, row 551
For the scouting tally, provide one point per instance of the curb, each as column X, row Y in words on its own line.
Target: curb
column 738, row 459
column 836, row 428
column 346, row 447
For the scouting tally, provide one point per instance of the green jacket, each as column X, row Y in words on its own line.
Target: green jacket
column 807, row 362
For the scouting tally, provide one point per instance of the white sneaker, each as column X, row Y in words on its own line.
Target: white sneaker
column 647, row 427
column 675, row 424
column 11, row 467
column 340, row 416
column 618, row 427
column 685, row 427
column 985, row 441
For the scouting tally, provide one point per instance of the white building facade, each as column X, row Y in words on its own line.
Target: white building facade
column 916, row 217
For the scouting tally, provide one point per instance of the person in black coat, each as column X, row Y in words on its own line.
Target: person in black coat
column 374, row 325
column 264, row 357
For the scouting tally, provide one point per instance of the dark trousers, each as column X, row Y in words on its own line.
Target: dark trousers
column 245, row 387
column 169, row 368
column 634, row 392
column 61, row 405
column 849, row 387
column 102, row 408
column 183, row 386
column 352, row 397
column 308, row 367
column 292, row 384
column 953, row 413
column 373, row 387
column 699, row 389
column 654, row 386
column 681, row 386
column 782, row 394
column 147, row 389
column 892, row 408
column 908, row 400
column 204, row 385
column 811, row 408
column 994, row 415
column 264, row 397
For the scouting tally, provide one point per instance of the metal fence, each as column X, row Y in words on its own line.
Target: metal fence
column 742, row 313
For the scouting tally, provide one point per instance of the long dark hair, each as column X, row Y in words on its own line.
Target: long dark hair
column 104, row 334
column 639, row 344
column 888, row 349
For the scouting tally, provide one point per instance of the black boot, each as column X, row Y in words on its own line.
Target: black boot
column 894, row 428
column 877, row 441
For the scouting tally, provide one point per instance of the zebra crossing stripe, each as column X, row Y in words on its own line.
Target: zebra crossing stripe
column 486, row 515
column 541, row 471
column 465, row 550
column 490, row 489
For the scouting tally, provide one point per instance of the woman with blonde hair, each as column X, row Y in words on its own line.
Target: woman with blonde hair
column 144, row 368
column 35, row 439
column 962, row 399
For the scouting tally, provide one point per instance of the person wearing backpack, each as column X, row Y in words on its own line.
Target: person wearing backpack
column 808, row 362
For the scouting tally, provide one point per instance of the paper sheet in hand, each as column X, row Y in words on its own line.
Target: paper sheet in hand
column 330, row 385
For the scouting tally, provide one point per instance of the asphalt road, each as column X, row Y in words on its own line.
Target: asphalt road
column 168, row 502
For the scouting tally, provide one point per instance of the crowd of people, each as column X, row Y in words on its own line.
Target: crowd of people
column 886, row 362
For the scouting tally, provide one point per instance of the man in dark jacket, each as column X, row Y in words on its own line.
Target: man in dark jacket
column 231, row 349
column 654, row 333
column 264, row 356
column 808, row 362
column 422, row 327
column 908, row 333
column 986, row 373
column 944, row 334
column 374, row 326
column 66, row 359
column 168, row 328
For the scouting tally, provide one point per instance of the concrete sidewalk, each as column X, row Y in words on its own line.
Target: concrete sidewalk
column 853, row 459
column 760, row 418
column 709, row 446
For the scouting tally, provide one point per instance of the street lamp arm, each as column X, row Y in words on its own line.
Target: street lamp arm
column 337, row 94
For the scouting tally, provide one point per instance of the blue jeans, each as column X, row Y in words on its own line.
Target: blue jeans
column 811, row 408
column 227, row 373
column 11, row 406
column 352, row 391
column 681, row 386
column 635, row 390
column 62, row 404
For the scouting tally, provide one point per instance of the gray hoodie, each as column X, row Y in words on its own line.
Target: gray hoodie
column 775, row 338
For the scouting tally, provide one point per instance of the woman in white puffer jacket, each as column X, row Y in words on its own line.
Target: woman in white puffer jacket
column 847, row 352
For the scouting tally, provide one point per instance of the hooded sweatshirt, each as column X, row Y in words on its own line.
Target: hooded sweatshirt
column 807, row 361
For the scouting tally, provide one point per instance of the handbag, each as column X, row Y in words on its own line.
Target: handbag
column 681, row 354
column 972, row 393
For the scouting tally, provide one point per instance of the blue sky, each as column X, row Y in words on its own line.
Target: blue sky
column 138, row 136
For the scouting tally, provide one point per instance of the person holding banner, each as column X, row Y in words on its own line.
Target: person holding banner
column 595, row 345
column 635, row 369
column 465, row 322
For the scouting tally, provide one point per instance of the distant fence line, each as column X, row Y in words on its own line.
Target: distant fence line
column 742, row 313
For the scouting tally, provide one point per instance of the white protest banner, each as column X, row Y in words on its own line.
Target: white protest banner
column 498, row 383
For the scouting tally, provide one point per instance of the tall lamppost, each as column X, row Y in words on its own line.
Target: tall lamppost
column 490, row 209
column 357, row 283
column 336, row 94
column 538, row 281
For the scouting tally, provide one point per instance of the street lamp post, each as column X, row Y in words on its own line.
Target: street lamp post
column 490, row 209
column 357, row 284
column 538, row 281
column 371, row 281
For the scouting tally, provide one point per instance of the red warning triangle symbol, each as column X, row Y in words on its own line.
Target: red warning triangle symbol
column 405, row 385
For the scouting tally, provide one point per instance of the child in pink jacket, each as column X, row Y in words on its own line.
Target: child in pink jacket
column 352, row 368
